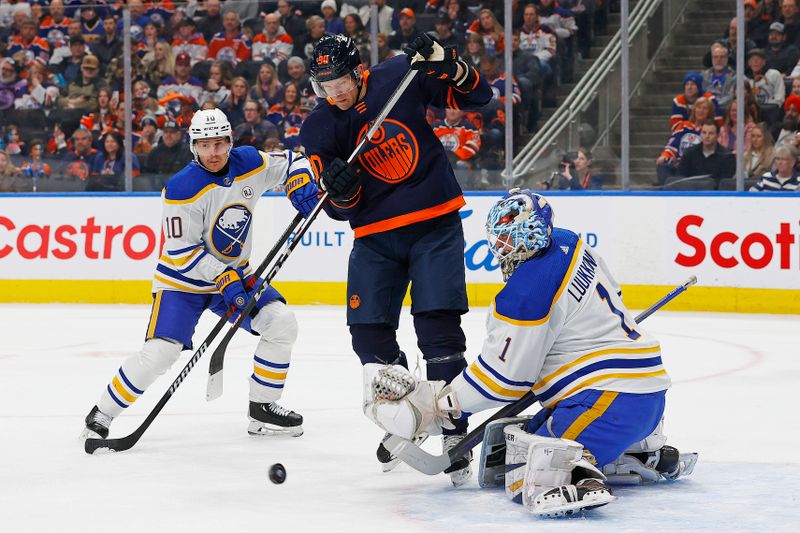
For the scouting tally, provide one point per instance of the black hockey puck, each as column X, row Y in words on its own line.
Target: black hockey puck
column 277, row 473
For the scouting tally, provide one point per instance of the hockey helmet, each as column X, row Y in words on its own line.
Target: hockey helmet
column 518, row 227
column 334, row 56
column 208, row 124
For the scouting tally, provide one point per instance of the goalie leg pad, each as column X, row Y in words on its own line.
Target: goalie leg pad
column 492, row 467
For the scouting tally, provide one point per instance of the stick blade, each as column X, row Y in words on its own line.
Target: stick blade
column 214, row 387
column 416, row 457
column 100, row 446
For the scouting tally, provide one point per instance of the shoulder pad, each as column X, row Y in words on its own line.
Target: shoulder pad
column 187, row 183
column 537, row 283
column 245, row 160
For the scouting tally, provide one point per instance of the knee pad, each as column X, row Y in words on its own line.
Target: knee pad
column 651, row 443
column 377, row 343
column 159, row 354
column 276, row 323
column 439, row 333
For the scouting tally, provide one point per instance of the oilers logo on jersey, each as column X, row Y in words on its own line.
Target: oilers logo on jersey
column 230, row 230
column 392, row 153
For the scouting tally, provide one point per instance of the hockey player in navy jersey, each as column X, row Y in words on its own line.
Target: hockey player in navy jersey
column 207, row 224
column 401, row 199
column 558, row 326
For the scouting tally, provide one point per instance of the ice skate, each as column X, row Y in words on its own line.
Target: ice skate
column 271, row 419
column 386, row 459
column 460, row 471
column 565, row 500
column 97, row 424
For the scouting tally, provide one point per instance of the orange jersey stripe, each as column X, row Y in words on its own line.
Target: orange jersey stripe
column 410, row 218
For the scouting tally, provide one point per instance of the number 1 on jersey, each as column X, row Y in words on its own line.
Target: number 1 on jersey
column 631, row 333
column 505, row 349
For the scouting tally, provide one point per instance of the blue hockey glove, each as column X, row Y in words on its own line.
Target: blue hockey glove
column 428, row 56
column 302, row 191
column 341, row 181
column 230, row 286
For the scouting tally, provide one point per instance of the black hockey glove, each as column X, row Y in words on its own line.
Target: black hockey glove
column 443, row 63
column 341, row 181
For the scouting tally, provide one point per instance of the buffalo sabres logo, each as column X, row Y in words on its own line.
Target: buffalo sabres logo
column 392, row 153
column 247, row 192
column 230, row 229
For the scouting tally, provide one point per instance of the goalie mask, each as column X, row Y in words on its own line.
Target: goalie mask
column 334, row 57
column 518, row 227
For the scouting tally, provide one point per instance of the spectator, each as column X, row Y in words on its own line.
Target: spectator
column 582, row 168
column 36, row 169
column 14, row 143
column 291, row 22
column 273, row 43
column 720, row 79
column 267, row 90
column 91, row 25
column 287, row 116
column 147, row 137
column 8, row 174
column 189, row 41
column 212, row 23
column 234, row 106
column 787, row 133
column 254, row 130
column 730, row 43
column 144, row 105
column 785, row 176
column 333, row 24
column 444, row 33
column 150, row 38
column 181, row 82
column 71, row 66
column 159, row 65
column 460, row 138
column 58, row 144
column 559, row 20
column 82, row 93
column 109, row 45
column 756, row 26
column 460, row 17
column 67, row 54
column 315, row 30
column 708, row 158
column 490, row 29
column 539, row 41
column 768, row 87
column 386, row 23
column 169, row 156
column 497, row 81
column 408, row 30
column 685, row 135
column 102, row 120
column 217, row 88
column 683, row 103
column 53, row 28
column 475, row 51
column 35, row 94
column 727, row 134
column 781, row 55
column 108, row 171
column 81, row 158
column 297, row 74
column 565, row 178
column 790, row 20
column 354, row 28
column 384, row 50
column 230, row 44
column 33, row 47
column 759, row 158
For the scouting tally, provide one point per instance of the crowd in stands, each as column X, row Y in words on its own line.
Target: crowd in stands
column 62, row 105
column 702, row 138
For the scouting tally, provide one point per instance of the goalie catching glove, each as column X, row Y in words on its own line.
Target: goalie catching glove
column 443, row 63
column 405, row 406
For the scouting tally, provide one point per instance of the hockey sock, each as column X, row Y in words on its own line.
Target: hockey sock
column 377, row 343
column 439, row 333
column 273, row 353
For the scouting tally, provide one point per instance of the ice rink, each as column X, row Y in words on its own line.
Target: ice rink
column 734, row 401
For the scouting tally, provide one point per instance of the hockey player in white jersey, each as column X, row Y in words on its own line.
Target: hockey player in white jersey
column 207, row 224
column 558, row 327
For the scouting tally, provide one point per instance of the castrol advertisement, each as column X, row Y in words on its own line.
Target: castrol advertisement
column 746, row 241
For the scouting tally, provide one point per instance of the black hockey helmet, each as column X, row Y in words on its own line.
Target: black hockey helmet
column 333, row 57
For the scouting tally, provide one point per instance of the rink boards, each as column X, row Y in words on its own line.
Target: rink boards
column 744, row 249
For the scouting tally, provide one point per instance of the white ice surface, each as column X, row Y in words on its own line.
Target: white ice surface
column 734, row 400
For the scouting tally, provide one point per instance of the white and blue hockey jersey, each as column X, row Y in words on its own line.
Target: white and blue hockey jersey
column 559, row 327
column 207, row 220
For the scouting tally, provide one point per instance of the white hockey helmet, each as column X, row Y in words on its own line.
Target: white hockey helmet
column 209, row 124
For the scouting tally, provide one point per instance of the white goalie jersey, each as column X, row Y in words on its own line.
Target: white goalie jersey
column 207, row 220
column 559, row 327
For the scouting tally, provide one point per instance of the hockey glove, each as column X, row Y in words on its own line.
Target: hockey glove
column 428, row 56
column 230, row 286
column 341, row 181
column 302, row 191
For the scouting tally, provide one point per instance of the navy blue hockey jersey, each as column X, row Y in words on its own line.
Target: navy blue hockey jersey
column 406, row 176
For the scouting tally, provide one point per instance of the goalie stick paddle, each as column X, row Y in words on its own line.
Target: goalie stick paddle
column 125, row 443
column 217, row 361
column 430, row 464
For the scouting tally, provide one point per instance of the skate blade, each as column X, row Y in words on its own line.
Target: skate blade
column 391, row 465
column 570, row 508
column 260, row 429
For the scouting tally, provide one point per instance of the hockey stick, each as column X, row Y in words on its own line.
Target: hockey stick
column 127, row 442
column 430, row 464
column 217, row 361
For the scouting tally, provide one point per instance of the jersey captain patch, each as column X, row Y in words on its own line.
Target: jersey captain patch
column 230, row 229
column 392, row 153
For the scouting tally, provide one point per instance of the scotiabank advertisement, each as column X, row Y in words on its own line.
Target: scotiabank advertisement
column 726, row 241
